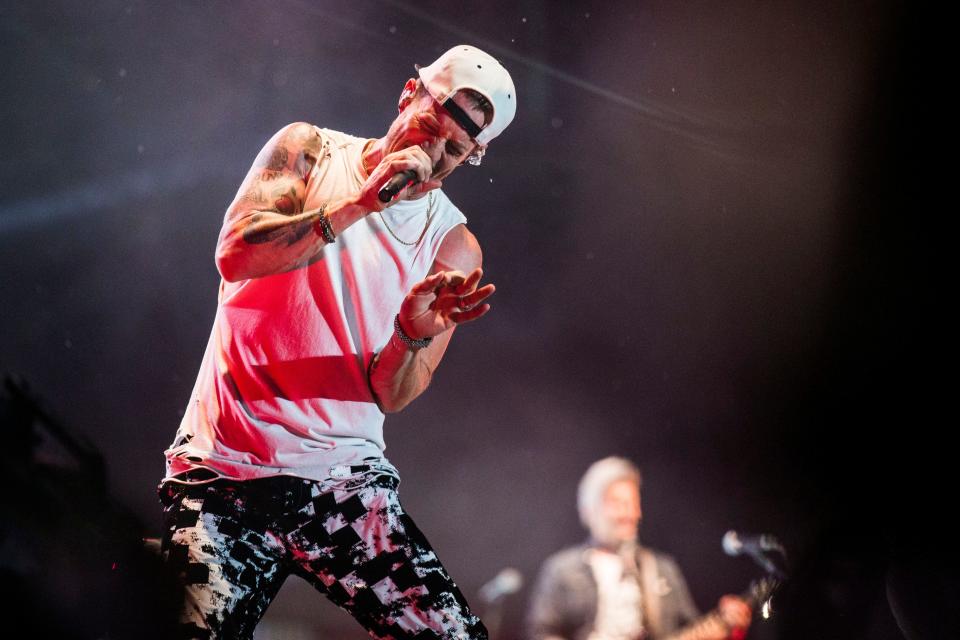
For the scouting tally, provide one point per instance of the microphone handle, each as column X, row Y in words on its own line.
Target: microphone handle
column 396, row 184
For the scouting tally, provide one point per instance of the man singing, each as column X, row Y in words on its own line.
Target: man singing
column 334, row 309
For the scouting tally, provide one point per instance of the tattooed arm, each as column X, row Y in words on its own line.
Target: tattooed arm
column 266, row 229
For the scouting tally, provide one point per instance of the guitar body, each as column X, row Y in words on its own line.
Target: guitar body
column 712, row 627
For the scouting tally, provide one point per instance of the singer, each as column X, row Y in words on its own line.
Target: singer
column 611, row 588
column 335, row 308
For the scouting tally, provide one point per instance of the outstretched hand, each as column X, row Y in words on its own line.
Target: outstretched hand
column 442, row 301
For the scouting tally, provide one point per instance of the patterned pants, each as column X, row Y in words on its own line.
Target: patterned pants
column 234, row 543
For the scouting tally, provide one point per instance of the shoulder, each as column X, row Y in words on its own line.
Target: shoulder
column 295, row 148
column 299, row 135
column 294, row 138
column 301, row 128
column 459, row 250
column 666, row 565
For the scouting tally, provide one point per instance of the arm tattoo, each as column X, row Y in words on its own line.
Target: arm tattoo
column 286, row 203
column 290, row 233
column 278, row 159
column 286, row 200
column 254, row 195
column 254, row 192
column 307, row 140
column 263, row 226
column 260, row 231
column 310, row 144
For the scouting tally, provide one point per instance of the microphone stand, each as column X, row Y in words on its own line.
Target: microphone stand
column 493, row 616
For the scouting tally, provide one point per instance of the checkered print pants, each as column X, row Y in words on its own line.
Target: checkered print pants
column 234, row 543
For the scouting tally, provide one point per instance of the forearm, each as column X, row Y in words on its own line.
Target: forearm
column 432, row 309
column 399, row 374
column 268, row 242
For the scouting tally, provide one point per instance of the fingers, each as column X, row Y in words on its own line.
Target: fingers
column 412, row 158
column 451, row 280
column 461, row 317
column 437, row 282
column 454, row 291
column 470, row 282
column 430, row 284
column 464, row 308
column 461, row 284
column 471, row 300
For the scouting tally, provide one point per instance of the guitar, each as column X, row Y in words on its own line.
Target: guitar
column 712, row 627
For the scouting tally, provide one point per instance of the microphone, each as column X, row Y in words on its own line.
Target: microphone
column 396, row 184
column 755, row 547
column 734, row 545
column 508, row 581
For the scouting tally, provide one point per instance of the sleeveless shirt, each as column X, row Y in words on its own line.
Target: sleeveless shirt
column 283, row 386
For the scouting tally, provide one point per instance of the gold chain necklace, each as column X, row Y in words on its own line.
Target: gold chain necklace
column 425, row 225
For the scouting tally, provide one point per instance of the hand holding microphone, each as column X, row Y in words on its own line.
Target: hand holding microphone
column 400, row 174
column 396, row 184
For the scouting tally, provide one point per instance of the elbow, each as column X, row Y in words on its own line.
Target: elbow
column 392, row 405
column 391, row 388
column 227, row 269
column 229, row 265
column 394, row 400
column 232, row 256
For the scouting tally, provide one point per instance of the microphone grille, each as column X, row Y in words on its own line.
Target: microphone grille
column 731, row 543
column 510, row 580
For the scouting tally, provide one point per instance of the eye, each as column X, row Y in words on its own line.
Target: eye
column 454, row 149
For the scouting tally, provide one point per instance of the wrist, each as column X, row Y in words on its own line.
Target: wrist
column 322, row 226
column 411, row 342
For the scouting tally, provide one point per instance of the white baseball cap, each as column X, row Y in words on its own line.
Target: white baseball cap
column 466, row 67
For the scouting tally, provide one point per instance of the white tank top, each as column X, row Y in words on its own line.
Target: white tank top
column 283, row 386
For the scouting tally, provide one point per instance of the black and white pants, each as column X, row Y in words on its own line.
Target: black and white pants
column 233, row 543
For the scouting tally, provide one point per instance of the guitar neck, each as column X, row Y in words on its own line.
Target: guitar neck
column 712, row 627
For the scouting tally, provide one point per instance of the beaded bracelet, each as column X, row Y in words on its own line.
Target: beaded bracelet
column 323, row 228
column 407, row 340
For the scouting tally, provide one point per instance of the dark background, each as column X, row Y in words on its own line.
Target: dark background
column 705, row 230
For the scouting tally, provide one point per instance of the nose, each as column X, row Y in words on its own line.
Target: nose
column 628, row 511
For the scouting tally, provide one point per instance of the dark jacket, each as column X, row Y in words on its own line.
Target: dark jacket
column 564, row 600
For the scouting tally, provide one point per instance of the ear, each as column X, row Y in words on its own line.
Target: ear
column 406, row 96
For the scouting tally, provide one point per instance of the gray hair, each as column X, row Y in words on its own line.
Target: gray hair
column 594, row 483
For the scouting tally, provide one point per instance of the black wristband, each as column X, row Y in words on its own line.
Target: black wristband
column 407, row 340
